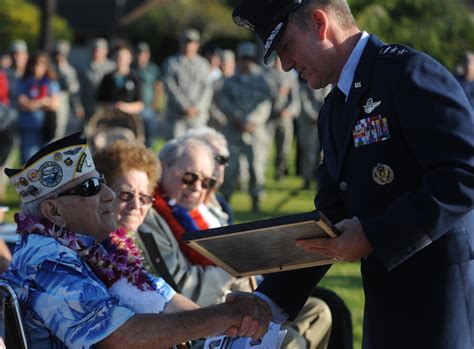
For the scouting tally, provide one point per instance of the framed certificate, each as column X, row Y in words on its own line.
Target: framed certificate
column 265, row 246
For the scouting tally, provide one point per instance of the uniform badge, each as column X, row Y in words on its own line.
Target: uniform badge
column 370, row 105
column 72, row 151
column 358, row 84
column 23, row 181
column 33, row 175
column 370, row 130
column 68, row 161
column 58, row 156
column 383, row 174
column 50, row 174
column 80, row 163
column 33, row 191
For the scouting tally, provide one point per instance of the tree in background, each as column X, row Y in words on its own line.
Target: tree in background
column 21, row 20
column 443, row 29
column 162, row 26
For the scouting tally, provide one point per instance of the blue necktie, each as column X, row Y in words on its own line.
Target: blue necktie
column 338, row 102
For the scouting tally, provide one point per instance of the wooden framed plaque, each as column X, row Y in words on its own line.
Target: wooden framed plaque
column 265, row 246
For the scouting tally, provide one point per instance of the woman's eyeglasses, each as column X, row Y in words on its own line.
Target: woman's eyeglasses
column 222, row 160
column 89, row 187
column 129, row 196
column 189, row 178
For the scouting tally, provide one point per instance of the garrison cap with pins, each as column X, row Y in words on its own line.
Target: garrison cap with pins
column 52, row 167
column 268, row 18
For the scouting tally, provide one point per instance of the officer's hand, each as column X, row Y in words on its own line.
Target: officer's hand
column 350, row 246
column 252, row 315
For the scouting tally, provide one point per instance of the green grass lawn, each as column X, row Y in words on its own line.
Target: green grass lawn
column 281, row 198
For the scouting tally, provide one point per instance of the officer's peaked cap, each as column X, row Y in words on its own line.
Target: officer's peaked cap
column 268, row 18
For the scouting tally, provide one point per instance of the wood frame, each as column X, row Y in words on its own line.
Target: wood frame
column 265, row 246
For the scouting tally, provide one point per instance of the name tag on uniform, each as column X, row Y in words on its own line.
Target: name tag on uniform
column 370, row 130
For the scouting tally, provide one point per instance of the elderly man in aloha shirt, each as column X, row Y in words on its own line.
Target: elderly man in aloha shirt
column 80, row 285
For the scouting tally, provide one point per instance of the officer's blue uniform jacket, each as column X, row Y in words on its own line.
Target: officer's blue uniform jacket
column 407, row 172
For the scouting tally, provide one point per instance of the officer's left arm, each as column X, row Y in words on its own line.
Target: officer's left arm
column 437, row 124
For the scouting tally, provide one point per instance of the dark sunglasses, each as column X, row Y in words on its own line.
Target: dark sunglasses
column 222, row 160
column 89, row 187
column 129, row 196
column 189, row 178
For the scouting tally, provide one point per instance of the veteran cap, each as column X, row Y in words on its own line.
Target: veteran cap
column 267, row 18
column 52, row 167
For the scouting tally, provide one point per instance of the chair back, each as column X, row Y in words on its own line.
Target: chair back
column 15, row 335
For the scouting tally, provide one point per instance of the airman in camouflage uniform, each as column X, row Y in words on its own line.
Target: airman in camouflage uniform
column 308, row 140
column 286, row 106
column 189, row 90
column 91, row 77
column 246, row 100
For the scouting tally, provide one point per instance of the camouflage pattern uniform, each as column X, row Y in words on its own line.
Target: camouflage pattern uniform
column 246, row 101
column 308, row 140
column 286, row 107
column 187, row 85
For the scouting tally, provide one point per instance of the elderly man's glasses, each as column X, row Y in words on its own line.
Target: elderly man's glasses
column 89, row 187
column 129, row 196
column 222, row 160
column 189, row 178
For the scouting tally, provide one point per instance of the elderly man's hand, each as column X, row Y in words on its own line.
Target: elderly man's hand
column 350, row 246
column 252, row 315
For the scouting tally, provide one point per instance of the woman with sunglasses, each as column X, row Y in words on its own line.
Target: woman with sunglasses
column 81, row 282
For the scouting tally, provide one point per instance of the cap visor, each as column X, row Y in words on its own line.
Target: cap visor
column 270, row 54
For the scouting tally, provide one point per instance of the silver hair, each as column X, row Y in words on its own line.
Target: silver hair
column 33, row 208
column 177, row 148
column 210, row 136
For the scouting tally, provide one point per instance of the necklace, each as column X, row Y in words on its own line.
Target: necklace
column 115, row 258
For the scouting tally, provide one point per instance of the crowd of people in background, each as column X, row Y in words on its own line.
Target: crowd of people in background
column 254, row 106
column 122, row 94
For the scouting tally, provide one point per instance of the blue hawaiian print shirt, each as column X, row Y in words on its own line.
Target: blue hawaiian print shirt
column 64, row 304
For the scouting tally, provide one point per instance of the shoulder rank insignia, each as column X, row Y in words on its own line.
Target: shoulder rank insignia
column 393, row 50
